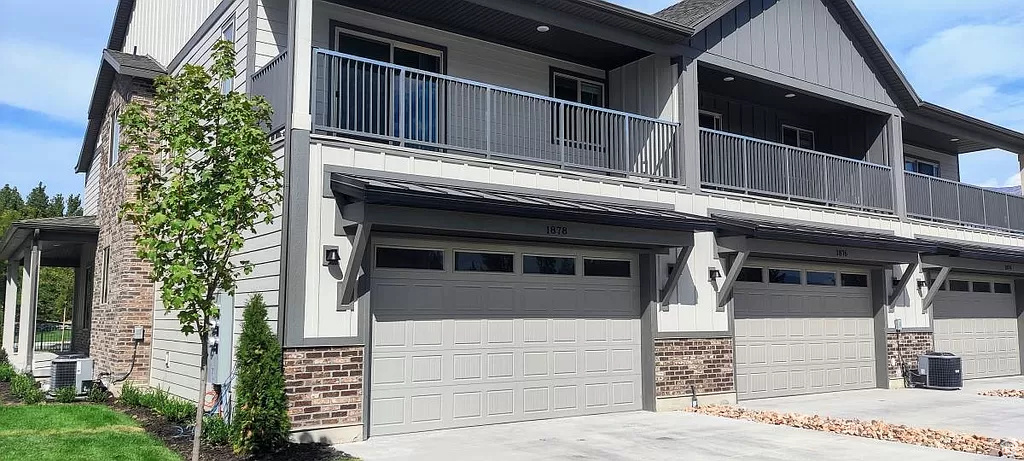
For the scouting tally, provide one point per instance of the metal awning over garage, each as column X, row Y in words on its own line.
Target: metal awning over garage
column 476, row 199
column 730, row 224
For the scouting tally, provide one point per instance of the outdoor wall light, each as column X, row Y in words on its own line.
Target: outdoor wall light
column 331, row 256
column 713, row 274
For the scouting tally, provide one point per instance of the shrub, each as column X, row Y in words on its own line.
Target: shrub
column 6, row 372
column 98, row 394
column 215, row 431
column 33, row 396
column 65, row 394
column 22, row 385
column 4, row 359
column 176, row 411
column 260, row 422
column 131, row 396
column 154, row 399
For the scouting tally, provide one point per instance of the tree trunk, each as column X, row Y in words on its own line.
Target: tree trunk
column 200, row 411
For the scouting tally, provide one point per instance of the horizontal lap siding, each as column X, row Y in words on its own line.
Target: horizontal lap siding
column 175, row 358
column 271, row 30
column 151, row 33
column 797, row 38
column 91, row 199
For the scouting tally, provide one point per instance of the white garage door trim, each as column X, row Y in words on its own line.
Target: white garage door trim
column 801, row 338
column 454, row 349
column 979, row 324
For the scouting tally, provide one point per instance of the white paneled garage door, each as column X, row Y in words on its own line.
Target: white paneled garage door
column 467, row 334
column 802, row 330
column 976, row 318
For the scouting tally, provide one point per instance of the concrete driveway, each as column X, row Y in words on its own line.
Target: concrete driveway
column 962, row 411
column 638, row 436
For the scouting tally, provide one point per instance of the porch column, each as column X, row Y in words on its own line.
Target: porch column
column 689, row 132
column 29, row 296
column 894, row 129
column 300, row 50
column 10, row 306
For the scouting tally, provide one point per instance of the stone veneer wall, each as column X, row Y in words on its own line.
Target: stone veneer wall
column 911, row 345
column 130, row 291
column 706, row 364
column 324, row 386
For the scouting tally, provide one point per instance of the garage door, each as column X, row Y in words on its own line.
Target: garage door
column 802, row 330
column 976, row 319
column 472, row 334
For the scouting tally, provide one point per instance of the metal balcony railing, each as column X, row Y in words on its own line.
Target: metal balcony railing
column 941, row 199
column 363, row 98
column 757, row 167
column 271, row 82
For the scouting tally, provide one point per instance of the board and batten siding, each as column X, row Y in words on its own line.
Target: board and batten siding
column 646, row 86
column 91, row 196
column 802, row 39
column 949, row 164
column 160, row 28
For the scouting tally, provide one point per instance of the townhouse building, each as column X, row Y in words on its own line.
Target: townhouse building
column 503, row 211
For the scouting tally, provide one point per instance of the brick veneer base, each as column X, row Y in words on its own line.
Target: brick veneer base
column 911, row 345
column 324, row 386
column 706, row 364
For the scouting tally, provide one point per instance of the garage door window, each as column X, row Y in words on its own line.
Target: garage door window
column 408, row 258
column 959, row 285
column 854, row 280
column 751, row 274
column 981, row 287
column 827, row 279
column 605, row 268
column 549, row 265
column 483, row 262
column 1003, row 288
column 784, row 276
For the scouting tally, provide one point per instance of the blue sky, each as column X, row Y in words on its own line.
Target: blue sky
column 957, row 53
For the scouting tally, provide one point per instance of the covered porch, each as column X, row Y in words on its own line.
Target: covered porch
column 27, row 247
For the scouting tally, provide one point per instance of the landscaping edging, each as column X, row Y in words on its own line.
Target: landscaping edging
column 874, row 429
column 1012, row 393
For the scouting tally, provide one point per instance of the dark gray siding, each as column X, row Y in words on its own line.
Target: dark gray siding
column 797, row 38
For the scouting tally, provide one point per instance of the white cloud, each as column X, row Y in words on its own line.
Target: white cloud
column 26, row 158
column 47, row 79
column 968, row 54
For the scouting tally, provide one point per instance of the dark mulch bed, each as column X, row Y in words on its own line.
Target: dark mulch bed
column 172, row 436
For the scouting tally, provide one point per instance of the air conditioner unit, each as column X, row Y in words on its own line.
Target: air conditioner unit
column 73, row 370
column 940, row 370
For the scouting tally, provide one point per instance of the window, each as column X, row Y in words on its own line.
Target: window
column 551, row 265
column 227, row 33
column 605, row 268
column 577, row 127
column 710, row 120
column 784, row 276
column 797, row 137
column 105, row 288
column 924, row 167
column 853, row 280
column 1002, row 288
column 981, row 287
column 577, row 89
column 751, row 274
column 959, row 285
column 115, row 140
column 821, row 278
column 483, row 262
column 407, row 258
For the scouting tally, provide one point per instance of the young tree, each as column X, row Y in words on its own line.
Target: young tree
column 203, row 176
column 260, row 422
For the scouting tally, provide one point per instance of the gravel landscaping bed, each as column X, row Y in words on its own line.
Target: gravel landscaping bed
column 1015, row 393
column 968, row 443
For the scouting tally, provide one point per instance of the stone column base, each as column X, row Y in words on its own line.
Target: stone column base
column 329, row 435
column 684, row 402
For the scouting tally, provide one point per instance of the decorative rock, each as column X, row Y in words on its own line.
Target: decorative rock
column 1014, row 393
column 875, row 429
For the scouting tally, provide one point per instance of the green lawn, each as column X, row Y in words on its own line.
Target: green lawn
column 53, row 336
column 75, row 432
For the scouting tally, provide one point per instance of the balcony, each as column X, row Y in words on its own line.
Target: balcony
column 940, row 199
column 373, row 100
column 753, row 166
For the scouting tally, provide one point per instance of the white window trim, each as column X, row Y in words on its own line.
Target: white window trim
column 339, row 31
column 579, row 88
column 814, row 137
column 717, row 117
column 229, row 25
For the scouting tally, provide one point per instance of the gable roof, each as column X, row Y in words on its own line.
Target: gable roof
column 697, row 14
